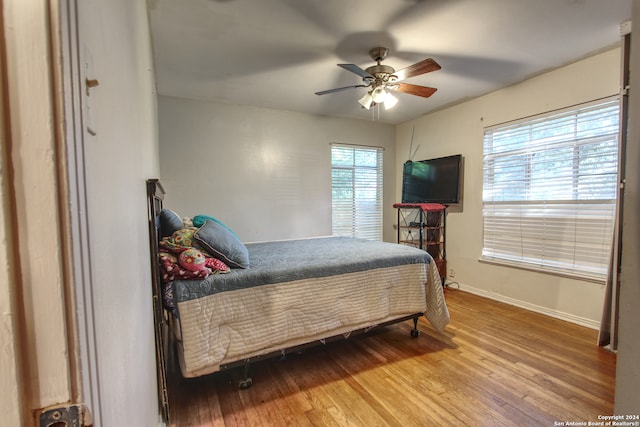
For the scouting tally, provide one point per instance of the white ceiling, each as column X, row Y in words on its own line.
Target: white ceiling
column 278, row 53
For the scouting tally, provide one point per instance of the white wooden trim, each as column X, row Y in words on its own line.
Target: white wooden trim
column 80, row 305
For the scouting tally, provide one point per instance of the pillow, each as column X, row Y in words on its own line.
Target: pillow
column 180, row 240
column 199, row 220
column 171, row 269
column 192, row 259
column 170, row 222
column 223, row 244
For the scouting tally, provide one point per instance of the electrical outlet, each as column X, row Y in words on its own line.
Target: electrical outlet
column 452, row 272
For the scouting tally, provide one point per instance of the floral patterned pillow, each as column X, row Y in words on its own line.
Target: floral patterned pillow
column 180, row 240
column 172, row 270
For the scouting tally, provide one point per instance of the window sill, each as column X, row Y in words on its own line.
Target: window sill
column 537, row 270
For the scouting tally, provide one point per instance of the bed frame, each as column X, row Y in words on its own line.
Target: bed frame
column 155, row 198
column 162, row 319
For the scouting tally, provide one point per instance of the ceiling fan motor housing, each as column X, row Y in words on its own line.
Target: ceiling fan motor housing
column 382, row 73
column 379, row 53
column 380, row 69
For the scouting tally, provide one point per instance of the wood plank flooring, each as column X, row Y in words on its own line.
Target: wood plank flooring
column 495, row 365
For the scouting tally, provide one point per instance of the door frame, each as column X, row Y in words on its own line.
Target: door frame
column 70, row 94
column 44, row 217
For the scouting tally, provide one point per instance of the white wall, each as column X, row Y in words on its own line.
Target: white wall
column 459, row 129
column 119, row 159
column 265, row 173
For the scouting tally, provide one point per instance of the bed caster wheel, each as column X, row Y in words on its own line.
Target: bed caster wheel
column 245, row 383
column 415, row 333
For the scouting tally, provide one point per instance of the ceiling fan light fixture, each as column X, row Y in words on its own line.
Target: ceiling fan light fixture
column 390, row 101
column 379, row 95
column 366, row 100
column 382, row 79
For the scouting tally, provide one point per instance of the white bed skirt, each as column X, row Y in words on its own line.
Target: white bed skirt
column 236, row 325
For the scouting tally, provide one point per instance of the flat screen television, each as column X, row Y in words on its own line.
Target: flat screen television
column 432, row 181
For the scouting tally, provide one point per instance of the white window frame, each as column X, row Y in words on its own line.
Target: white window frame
column 356, row 191
column 549, row 191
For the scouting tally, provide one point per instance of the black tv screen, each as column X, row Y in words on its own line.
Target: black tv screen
column 432, row 181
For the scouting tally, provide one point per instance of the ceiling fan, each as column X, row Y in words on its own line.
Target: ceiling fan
column 382, row 79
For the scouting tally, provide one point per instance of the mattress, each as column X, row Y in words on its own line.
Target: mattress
column 300, row 291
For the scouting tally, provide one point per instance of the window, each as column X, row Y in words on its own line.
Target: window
column 356, row 191
column 550, row 188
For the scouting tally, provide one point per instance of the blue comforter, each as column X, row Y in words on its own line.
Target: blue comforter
column 289, row 260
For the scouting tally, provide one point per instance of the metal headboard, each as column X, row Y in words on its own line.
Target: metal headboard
column 155, row 197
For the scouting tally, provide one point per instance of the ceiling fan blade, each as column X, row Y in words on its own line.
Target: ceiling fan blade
column 422, row 91
column 357, row 70
column 422, row 67
column 339, row 89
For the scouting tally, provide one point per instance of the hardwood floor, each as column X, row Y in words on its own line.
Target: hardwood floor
column 495, row 365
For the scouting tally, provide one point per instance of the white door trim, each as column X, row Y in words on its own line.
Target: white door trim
column 71, row 96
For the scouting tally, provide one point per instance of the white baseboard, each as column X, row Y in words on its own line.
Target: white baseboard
column 582, row 321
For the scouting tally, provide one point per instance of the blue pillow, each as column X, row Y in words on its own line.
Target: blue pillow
column 170, row 222
column 223, row 244
column 199, row 220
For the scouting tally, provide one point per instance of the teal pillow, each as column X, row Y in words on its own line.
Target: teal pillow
column 199, row 220
column 223, row 244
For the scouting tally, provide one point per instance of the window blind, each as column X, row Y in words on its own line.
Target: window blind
column 550, row 188
column 356, row 187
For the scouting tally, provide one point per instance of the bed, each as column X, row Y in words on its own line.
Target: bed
column 281, row 296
